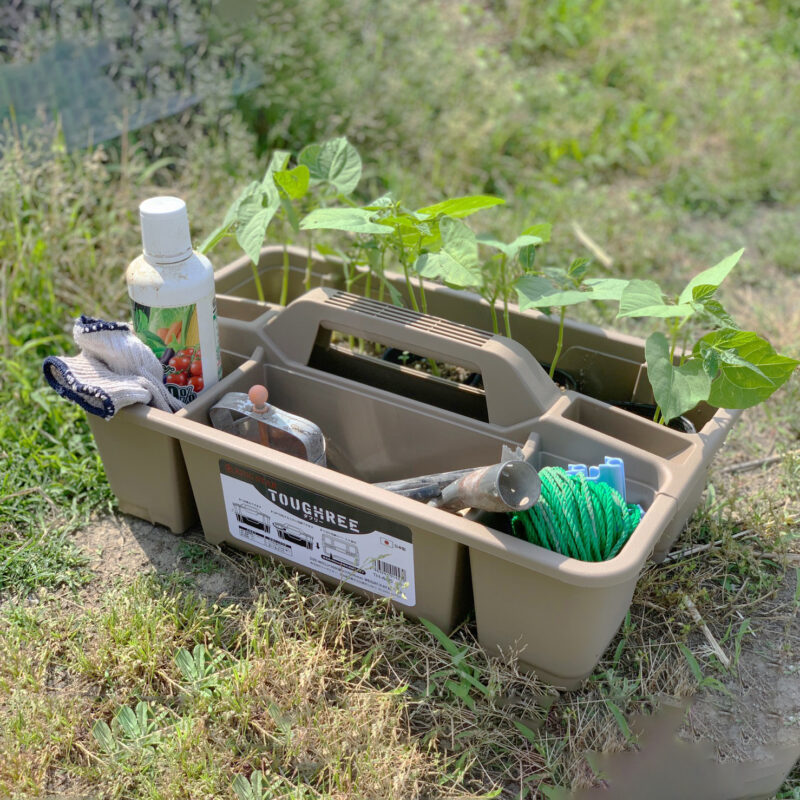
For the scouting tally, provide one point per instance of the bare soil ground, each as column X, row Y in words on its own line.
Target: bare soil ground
column 123, row 547
column 715, row 746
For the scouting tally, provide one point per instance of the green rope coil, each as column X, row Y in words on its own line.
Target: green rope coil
column 575, row 517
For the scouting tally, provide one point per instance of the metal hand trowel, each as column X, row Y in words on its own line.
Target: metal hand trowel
column 250, row 417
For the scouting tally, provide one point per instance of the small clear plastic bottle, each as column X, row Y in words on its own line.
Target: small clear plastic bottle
column 172, row 294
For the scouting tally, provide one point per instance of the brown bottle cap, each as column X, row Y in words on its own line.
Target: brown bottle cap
column 258, row 397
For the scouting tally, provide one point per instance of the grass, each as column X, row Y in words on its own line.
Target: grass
column 666, row 138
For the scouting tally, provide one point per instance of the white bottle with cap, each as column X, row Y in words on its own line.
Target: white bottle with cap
column 173, row 300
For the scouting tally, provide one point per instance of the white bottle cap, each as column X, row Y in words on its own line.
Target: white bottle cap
column 165, row 229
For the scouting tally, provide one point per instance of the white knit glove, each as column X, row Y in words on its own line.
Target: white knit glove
column 114, row 369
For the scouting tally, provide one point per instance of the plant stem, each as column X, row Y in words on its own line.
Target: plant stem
column 410, row 288
column 683, row 346
column 257, row 282
column 307, row 281
column 348, row 286
column 348, row 275
column 285, row 281
column 676, row 326
column 368, row 284
column 422, row 297
column 382, row 287
column 411, row 296
column 504, row 290
column 434, row 368
column 560, row 344
column 493, row 310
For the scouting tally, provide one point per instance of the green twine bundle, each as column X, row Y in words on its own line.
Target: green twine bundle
column 582, row 519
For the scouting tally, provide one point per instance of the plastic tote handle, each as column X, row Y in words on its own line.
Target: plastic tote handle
column 517, row 388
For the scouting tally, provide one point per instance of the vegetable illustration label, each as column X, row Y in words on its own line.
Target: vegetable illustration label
column 173, row 335
column 319, row 532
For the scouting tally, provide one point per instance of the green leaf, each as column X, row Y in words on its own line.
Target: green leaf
column 250, row 192
column 457, row 261
column 294, row 181
column 251, row 235
column 740, row 386
column 474, row 682
column 577, row 269
column 127, row 722
column 645, row 299
column 336, row 162
column 529, row 734
column 606, row 288
column 559, row 277
column 256, row 781
column 491, row 241
column 143, row 717
column 622, row 723
column 186, row 665
column 714, row 309
column 353, row 220
column 291, row 213
column 527, row 257
column 102, row 733
column 676, row 389
column 254, row 213
column 732, row 358
column 410, row 221
column 277, row 163
column 512, row 248
column 441, row 637
column 394, row 295
column 461, row 691
column 417, row 233
column 246, row 789
column 694, row 666
column 542, row 230
column 703, row 292
column 711, row 362
column 459, row 207
column 712, row 276
column 536, row 291
column 382, row 202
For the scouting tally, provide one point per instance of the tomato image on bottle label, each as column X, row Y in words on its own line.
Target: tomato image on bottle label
column 173, row 335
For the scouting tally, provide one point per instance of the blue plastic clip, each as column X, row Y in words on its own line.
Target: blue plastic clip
column 611, row 471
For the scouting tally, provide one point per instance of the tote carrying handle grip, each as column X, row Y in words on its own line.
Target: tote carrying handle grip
column 517, row 388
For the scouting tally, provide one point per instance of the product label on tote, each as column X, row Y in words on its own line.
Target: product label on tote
column 173, row 335
column 319, row 532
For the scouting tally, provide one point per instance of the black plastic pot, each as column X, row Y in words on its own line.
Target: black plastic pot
column 648, row 410
column 397, row 356
column 561, row 378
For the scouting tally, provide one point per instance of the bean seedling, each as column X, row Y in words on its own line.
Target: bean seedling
column 324, row 172
column 726, row 367
column 560, row 287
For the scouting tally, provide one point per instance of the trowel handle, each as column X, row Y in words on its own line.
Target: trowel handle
column 517, row 388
